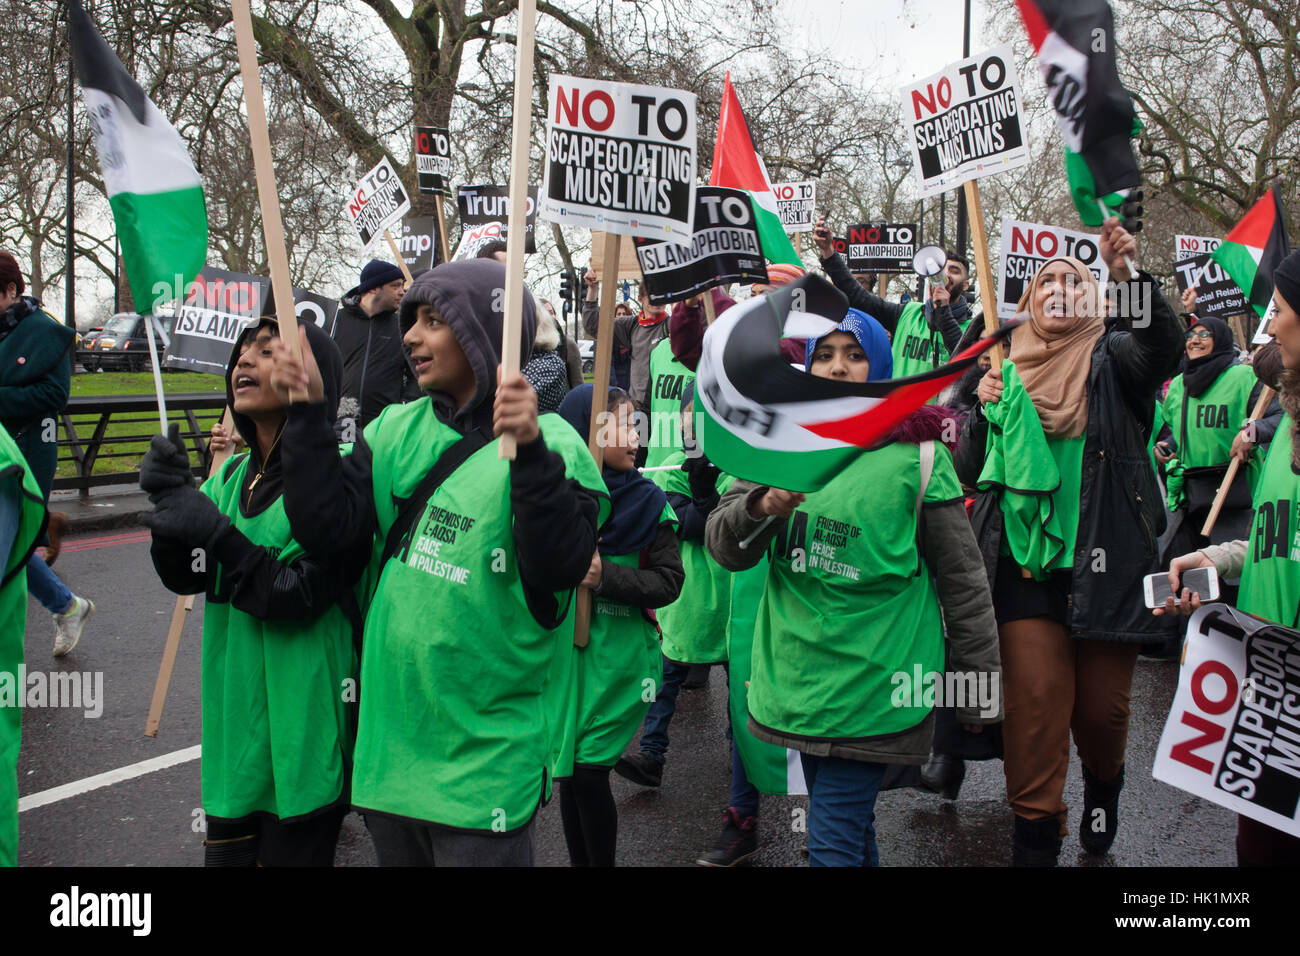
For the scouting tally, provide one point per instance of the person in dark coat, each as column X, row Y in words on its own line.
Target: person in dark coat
column 376, row 373
column 35, row 377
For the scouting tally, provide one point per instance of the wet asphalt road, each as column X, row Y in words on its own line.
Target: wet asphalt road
column 152, row 820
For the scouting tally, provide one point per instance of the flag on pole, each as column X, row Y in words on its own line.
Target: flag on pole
column 153, row 188
column 767, row 422
column 1254, row 248
column 1074, row 43
column 736, row 164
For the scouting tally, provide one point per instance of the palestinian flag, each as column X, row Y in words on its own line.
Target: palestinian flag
column 152, row 186
column 770, row 423
column 735, row 164
column 1074, row 42
column 1254, row 248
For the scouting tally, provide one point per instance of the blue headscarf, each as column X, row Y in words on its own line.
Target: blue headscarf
column 637, row 503
column 871, row 336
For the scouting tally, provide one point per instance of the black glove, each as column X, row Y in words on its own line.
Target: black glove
column 186, row 515
column 165, row 465
column 703, row 476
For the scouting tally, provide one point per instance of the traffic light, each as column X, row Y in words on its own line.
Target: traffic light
column 566, row 287
column 1130, row 212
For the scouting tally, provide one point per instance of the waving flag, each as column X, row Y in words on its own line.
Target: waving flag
column 765, row 421
column 153, row 188
column 1074, row 42
column 1253, row 249
column 736, row 164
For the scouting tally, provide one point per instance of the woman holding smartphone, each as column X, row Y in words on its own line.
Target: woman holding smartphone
column 1270, row 577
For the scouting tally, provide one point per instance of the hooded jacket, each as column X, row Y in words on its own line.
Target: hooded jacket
column 376, row 373
column 554, row 517
column 252, row 578
column 35, row 377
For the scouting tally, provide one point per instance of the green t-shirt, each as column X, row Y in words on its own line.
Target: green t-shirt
column 465, row 694
column 1270, row 578
column 849, row 602
column 695, row 625
column 1204, row 427
column 916, row 347
column 277, row 727
column 669, row 380
column 615, row 678
column 19, row 485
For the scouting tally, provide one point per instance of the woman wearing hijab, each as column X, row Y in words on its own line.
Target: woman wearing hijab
column 1205, row 409
column 863, row 574
column 1067, row 517
column 636, row 567
column 1270, row 578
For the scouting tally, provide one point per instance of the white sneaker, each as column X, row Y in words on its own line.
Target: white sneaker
column 68, row 625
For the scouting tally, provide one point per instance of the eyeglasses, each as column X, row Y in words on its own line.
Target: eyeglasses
column 1199, row 334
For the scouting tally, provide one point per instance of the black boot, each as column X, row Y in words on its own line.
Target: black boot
column 1100, row 812
column 1035, row 842
column 943, row 774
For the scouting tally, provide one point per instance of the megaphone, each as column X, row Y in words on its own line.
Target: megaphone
column 929, row 260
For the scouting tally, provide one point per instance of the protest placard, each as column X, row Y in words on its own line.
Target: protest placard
column 1233, row 732
column 620, row 157
column 1217, row 294
column 796, row 204
column 416, row 242
column 1027, row 245
column 432, row 159
column 964, row 122
column 480, row 205
column 629, row 267
column 1187, row 246
column 724, row 248
column 219, row 305
column 378, row 203
column 882, row 247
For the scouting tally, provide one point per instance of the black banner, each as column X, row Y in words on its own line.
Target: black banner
column 1217, row 295
column 724, row 248
column 480, row 205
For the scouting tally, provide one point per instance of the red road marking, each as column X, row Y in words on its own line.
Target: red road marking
column 104, row 541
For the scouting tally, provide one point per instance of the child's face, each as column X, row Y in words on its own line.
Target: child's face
column 250, row 380
column 840, row 356
column 620, row 438
column 440, row 363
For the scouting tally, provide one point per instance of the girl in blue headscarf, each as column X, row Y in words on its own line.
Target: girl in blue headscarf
column 858, row 339
column 636, row 567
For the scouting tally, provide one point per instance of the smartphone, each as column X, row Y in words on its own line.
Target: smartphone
column 1203, row 582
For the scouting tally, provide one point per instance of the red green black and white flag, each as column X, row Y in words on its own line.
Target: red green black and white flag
column 1074, row 43
column 1254, row 248
column 768, row 422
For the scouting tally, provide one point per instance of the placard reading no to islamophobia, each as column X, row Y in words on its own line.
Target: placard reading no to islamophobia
column 965, row 121
column 620, row 157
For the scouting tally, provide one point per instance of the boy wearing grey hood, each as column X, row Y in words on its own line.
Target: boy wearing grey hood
column 465, row 662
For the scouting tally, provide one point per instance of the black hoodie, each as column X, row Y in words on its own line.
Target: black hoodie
column 375, row 371
column 252, row 579
column 330, row 500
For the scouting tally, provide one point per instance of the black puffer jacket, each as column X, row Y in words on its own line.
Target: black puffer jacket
column 376, row 372
column 1120, row 509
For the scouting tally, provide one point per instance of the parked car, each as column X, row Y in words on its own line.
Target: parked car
column 587, row 349
column 121, row 345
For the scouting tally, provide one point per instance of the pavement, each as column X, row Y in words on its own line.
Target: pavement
column 151, row 815
column 105, row 509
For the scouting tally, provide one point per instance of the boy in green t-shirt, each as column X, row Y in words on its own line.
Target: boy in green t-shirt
column 465, row 665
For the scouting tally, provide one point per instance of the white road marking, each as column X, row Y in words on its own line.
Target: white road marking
column 130, row 772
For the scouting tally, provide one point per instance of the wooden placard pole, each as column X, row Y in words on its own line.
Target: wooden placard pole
column 515, row 222
column 442, row 228
column 988, row 298
column 268, row 197
column 706, row 299
column 397, row 254
column 599, row 395
column 184, row 604
column 882, row 285
column 1261, row 406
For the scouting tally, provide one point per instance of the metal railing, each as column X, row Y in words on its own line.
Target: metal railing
column 84, row 436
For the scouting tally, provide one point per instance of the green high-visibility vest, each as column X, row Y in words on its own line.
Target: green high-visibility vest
column 465, row 694
column 1270, row 578
column 669, row 380
column 18, row 485
column 1204, row 426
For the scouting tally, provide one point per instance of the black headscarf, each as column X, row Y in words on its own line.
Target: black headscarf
column 637, row 503
column 1199, row 374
